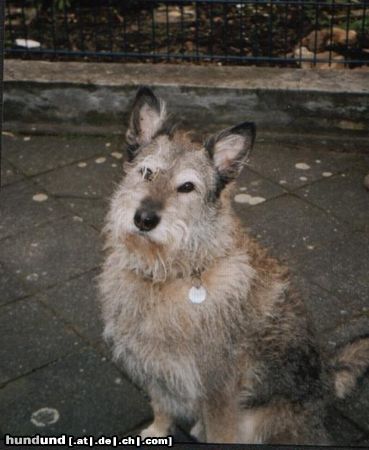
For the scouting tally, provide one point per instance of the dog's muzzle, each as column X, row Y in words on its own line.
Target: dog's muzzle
column 146, row 220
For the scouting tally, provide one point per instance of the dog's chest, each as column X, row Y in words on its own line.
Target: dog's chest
column 158, row 338
column 163, row 337
column 156, row 323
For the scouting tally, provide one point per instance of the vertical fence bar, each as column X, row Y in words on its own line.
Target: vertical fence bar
column 364, row 19
column 25, row 29
column 225, row 29
column 167, row 29
column 285, row 27
column 125, row 43
column 211, row 18
column 53, row 25
column 80, row 28
column 9, row 21
column 331, row 22
column 348, row 20
column 153, row 44
column 316, row 26
column 66, row 26
column 197, row 30
column 139, row 33
column 110, row 25
column 241, row 30
column 301, row 31
column 181, row 33
column 255, row 33
column 94, row 31
column 363, row 23
column 37, row 7
column 270, row 29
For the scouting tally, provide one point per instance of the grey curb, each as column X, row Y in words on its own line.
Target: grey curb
column 99, row 94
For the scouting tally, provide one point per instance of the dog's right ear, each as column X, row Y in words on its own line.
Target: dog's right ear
column 147, row 118
column 230, row 149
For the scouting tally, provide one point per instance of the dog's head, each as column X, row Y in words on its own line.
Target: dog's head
column 172, row 190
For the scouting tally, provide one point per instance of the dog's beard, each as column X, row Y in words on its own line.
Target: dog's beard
column 159, row 254
column 169, row 235
column 145, row 256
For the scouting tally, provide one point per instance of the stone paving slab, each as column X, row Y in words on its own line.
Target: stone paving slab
column 294, row 166
column 357, row 406
column 9, row 174
column 347, row 331
column 328, row 142
column 89, row 394
column 34, row 334
column 341, row 267
column 344, row 431
column 289, row 226
column 254, row 189
column 12, row 287
column 33, row 207
column 92, row 211
column 76, row 302
column 344, row 196
column 94, row 179
column 326, row 310
column 35, row 154
column 52, row 253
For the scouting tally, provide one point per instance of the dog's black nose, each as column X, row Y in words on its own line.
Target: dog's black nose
column 146, row 220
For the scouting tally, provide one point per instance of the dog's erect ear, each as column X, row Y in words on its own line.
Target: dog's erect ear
column 230, row 148
column 147, row 117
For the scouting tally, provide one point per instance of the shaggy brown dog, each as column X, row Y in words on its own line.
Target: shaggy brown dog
column 197, row 312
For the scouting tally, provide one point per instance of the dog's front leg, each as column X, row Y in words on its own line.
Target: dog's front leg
column 220, row 421
column 161, row 425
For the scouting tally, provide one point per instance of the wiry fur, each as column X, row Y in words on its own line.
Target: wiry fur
column 243, row 364
column 349, row 365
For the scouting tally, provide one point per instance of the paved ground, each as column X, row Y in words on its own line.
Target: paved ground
column 307, row 204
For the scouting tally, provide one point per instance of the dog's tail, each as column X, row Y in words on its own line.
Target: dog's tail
column 350, row 364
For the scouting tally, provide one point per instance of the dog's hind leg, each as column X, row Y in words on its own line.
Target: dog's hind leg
column 161, row 425
column 220, row 420
column 282, row 423
column 198, row 431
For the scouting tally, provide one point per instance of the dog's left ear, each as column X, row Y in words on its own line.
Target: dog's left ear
column 147, row 117
column 230, row 148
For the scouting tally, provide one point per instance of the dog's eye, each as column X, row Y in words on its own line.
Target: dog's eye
column 186, row 187
column 146, row 173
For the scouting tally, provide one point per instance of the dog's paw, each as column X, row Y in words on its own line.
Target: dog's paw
column 198, row 432
column 153, row 431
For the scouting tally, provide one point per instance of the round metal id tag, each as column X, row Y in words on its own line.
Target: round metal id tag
column 197, row 295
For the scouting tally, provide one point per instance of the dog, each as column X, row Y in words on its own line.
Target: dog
column 196, row 311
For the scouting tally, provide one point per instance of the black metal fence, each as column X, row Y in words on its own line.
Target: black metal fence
column 301, row 33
